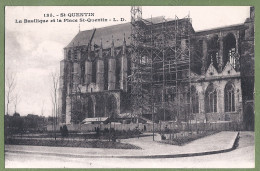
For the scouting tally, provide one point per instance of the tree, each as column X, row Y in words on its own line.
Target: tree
column 17, row 100
column 54, row 98
column 10, row 87
column 17, row 123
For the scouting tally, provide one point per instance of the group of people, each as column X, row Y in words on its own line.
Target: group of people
column 64, row 131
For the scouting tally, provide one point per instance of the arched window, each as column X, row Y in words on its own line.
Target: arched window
column 194, row 100
column 69, row 55
column 94, row 70
column 229, row 47
column 105, row 73
column 229, row 98
column 118, row 71
column 90, row 108
column 111, row 106
column 211, row 99
column 100, row 106
column 200, row 47
column 213, row 49
column 82, row 73
column 77, row 113
column 75, row 56
column 143, row 60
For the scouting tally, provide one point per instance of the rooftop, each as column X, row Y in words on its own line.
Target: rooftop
column 106, row 33
column 121, row 31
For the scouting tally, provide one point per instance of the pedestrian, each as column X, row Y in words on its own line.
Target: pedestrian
column 61, row 132
column 138, row 132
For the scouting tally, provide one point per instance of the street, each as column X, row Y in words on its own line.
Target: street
column 242, row 157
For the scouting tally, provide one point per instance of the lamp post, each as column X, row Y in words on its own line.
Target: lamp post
column 109, row 125
column 153, row 119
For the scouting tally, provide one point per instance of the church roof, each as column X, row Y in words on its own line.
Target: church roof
column 218, row 29
column 105, row 33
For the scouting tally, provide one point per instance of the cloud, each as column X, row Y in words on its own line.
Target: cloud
column 46, row 55
column 26, row 43
column 33, row 62
column 35, row 88
column 12, row 50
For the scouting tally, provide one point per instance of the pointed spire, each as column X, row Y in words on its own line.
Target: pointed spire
column 211, row 60
column 101, row 49
column 112, row 47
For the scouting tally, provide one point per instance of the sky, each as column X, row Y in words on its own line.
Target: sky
column 33, row 50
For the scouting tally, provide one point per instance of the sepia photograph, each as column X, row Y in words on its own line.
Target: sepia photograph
column 129, row 87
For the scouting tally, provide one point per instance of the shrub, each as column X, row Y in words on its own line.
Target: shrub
column 163, row 137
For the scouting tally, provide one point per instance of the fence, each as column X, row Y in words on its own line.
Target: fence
column 158, row 127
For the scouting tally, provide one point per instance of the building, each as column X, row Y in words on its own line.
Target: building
column 161, row 68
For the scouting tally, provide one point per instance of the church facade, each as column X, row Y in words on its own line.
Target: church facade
column 97, row 65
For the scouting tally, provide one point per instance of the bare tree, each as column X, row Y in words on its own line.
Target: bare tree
column 10, row 87
column 17, row 100
column 54, row 98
